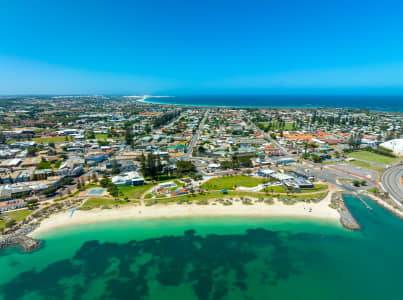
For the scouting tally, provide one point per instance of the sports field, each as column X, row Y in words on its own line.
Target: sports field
column 374, row 157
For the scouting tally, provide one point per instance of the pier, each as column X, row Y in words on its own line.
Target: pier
column 363, row 202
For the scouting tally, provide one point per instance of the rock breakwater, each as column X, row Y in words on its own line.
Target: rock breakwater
column 346, row 217
column 20, row 238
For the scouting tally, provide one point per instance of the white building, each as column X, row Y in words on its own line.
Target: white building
column 395, row 145
column 130, row 178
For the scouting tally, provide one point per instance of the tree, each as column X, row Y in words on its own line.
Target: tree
column 201, row 149
column 184, row 167
column 166, row 118
column 147, row 128
column 316, row 158
column 151, row 166
column 63, row 156
column 113, row 189
column 32, row 204
column 67, row 181
column 44, row 164
column 354, row 142
column 31, row 151
column 50, row 191
column 225, row 164
column 90, row 135
column 198, row 177
column 143, row 166
column 2, row 139
column 115, row 168
column 104, row 182
column 129, row 135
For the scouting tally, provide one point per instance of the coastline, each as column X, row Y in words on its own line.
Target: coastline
column 376, row 108
column 319, row 210
column 396, row 212
column 146, row 100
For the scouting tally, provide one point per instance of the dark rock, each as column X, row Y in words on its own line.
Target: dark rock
column 20, row 238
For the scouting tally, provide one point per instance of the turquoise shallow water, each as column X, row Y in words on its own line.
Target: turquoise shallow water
column 213, row 258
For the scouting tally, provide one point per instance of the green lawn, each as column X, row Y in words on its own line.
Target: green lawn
column 230, row 182
column 367, row 165
column 101, row 202
column 178, row 183
column 101, row 136
column 56, row 139
column 45, row 140
column 373, row 157
column 374, row 190
column 134, row 192
column 275, row 125
column 16, row 215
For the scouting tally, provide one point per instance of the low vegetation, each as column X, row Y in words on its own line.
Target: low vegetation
column 231, row 195
column 283, row 190
column 315, row 188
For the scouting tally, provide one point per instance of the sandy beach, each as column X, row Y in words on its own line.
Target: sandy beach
column 318, row 211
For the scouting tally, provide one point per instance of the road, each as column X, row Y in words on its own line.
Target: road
column 273, row 141
column 391, row 183
column 196, row 136
column 331, row 176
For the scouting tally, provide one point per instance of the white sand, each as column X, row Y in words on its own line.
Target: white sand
column 319, row 211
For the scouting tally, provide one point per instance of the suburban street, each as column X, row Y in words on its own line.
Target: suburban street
column 274, row 142
column 196, row 136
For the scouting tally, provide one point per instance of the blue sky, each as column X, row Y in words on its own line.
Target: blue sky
column 201, row 47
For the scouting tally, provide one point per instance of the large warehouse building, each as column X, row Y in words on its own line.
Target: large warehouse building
column 395, row 145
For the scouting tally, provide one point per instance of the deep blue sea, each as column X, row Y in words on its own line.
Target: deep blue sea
column 381, row 103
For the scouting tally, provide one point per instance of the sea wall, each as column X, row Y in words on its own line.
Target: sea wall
column 395, row 211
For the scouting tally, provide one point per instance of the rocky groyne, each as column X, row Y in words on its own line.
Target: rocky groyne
column 19, row 238
column 18, row 234
column 346, row 217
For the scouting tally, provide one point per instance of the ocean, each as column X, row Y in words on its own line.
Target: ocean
column 380, row 103
column 213, row 258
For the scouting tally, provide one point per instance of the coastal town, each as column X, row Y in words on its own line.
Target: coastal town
column 87, row 157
